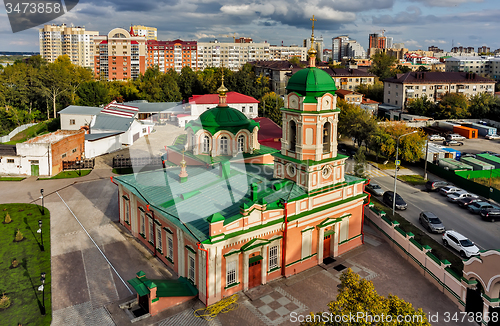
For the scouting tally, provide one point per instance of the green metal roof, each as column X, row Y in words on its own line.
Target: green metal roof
column 164, row 288
column 489, row 157
column 311, row 81
column 222, row 118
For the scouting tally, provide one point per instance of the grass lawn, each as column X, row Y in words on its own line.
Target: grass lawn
column 422, row 237
column 21, row 284
column 414, row 179
column 36, row 130
column 12, row 178
column 69, row 174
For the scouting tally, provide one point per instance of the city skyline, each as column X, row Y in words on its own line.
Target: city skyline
column 417, row 23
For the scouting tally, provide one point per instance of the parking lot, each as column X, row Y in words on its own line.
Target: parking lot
column 476, row 145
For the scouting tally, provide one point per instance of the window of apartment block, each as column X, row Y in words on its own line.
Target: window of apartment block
column 474, row 88
column 388, row 92
column 63, row 155
column 397, row 86
column 273, row 257
column 416, row 87
column 306, row 243
column 143, row 223
column 452, row 87
column 71, row 121
column 231, row 272
column 191, row 267
column 424, row 88
column 396, row 102
column 388, row 100
column 170, row 247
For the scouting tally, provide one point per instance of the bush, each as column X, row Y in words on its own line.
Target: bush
column 4, row 302
column 19, row 236
column 7, row 219
column 15, row 263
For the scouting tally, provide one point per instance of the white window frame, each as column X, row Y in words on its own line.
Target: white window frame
column 206, row 144
column 127, row 211
column 306, row 243
column 159, row 242
column 224, row 148
column 344, row 230
column 232, row 262
column 191, row 267
column 151, row 227
column 170, row 247
column 143, row 223
column 273, row 247
column 241, row 143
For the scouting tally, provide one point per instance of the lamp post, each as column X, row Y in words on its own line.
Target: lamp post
column 396, row 171
column 426, row 155
column 43, row 208
column 42, row 288
column 41, row 235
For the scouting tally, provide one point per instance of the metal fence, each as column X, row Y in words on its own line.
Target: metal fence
column 128, row 162
column 75, row 165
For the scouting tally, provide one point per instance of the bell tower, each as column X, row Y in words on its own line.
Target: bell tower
column 309, row 141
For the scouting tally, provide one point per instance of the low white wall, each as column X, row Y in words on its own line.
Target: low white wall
column 102, row 146
column 14, row 132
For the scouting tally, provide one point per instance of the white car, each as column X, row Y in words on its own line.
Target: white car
column 449, row 190
column 436, row 137
column 492, row 137
column 464, row 246
column 454, row 197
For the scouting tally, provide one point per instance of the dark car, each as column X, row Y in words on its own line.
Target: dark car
column 431, row 222
column 490, row 215
column 388, row 197
column 464, row 202
column 434, row 185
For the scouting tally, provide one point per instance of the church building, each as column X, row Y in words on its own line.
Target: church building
column 231, row 225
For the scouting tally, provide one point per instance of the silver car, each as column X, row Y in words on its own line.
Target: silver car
column 374, row 189
column 454, row 197
column 449, row 190
column 431, row 222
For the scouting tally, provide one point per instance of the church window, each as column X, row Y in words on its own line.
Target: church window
column 206, row 144
column 223, row 145
column 273, row 257
column 191, row 270
column 231, row 273
column 326, row 137
column 241, row 143
column 293, row 135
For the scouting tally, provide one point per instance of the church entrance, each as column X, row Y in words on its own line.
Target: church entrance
column 254, row 272
column 326, row 247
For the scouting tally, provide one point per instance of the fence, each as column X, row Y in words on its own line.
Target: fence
column 435, row 270
column 128, row 162
column 75, row 165
column 14, row 132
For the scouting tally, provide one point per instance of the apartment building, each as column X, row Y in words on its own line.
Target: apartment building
column 150, row 33
column 344, row 47
column 350, row 79
column 119, row 55
column 398, row 90
column 230, row 55
column 75, row 42
column 318, row 46
column 483, row 65
column 171, row 54
column 278, row 53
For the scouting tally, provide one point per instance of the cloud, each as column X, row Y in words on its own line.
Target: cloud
column 412, row 15
column 412, row 43
column 445, row 3
column 436, row 41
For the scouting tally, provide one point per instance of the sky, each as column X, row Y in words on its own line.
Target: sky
column 416, row 23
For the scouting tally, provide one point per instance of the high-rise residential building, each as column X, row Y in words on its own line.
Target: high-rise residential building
column 433, row 48
column 278, row 53
column 75, row 42
column 119, row 55
column 389, row 41
column 231, row 55
column 171, row 54
column 318, row 44
column 338, row 48
column 150, row 33
column 461, row 49
column 377, row 41
column 483, row 49
column 344, row 47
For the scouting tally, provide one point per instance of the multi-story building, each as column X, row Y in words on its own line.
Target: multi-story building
column 350, row 79
column 150, row 33
column 389, row 42
column 75, row 42
column 457, row 49
column 344, row 47
column 119, row 55
column 318, row 45
column 230, row 55
column 278, row 53
column 171, row 54
column 398, row 90
column 483, row 49
column 479, row 65
column 433, row 48
column 377, row 41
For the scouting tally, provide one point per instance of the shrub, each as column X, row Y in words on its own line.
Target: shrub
column 19, row 236
column 7, row 219
column 15, row 263
column 4, row 302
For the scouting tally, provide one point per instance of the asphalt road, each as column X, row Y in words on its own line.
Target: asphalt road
column 485, row 234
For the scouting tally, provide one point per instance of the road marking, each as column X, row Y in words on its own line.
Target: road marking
column 95, row 244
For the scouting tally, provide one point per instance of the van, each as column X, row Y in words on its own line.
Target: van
column 455, row 137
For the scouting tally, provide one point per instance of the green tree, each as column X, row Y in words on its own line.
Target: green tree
column 92, row 93
column 400, row 69
column 355, row 122
column 360, row 159
column 56, row 80
column 382, row 143
column 270, row 105
column 411, row 146
column 188, row 82
column 358, row 296
column 421, row 106
column 374, row 92
column 480, row 105
column 382, row 65
column 423, row 69
column 453, row 106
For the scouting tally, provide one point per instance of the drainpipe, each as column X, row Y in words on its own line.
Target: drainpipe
column 118, row 194
column 363, row 213
column 283, row 251
column 154, row 229
column 206, row 275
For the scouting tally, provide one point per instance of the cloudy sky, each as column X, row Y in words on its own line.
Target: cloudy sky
column 417, row 23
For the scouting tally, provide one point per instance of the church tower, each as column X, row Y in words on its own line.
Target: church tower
column 309, row 141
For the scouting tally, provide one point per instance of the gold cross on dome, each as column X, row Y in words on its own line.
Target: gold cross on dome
column 313, row 20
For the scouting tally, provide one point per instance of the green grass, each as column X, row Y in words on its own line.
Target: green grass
column 41, row 128
column 414, row 179
column 21, row 284
column 422, row 237
column 12, row 178
column 69, row 174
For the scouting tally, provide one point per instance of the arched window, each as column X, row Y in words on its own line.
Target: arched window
column 193, row 142
column 223, row 145
column 327, row 131
column 241, row 143
column 206, row 144
column 292, row 135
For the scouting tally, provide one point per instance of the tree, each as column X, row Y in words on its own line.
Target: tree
column 374, row 92
column 360, row 159
column 423, row 69
column 7, row 219
column 19, row 236
column 481, row 104
column 358, row 297
column 453, row 106
column 56, row 80
column 92, row 93
column 382, row 65
column 411, row 146
column 355, row 122
column 270, row 105
column 421, row 106
column 188, row 83
column 382, row 143
column 400, row 69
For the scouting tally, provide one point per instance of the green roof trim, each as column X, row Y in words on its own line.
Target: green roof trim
column 309, row 112
column 251, row 244
column 189, row 194
column 155, row 299
column 217, row 217
column 180, row 287
column 310, row 228
column 232, row 252
column 141, row 274
column 168, row 230
column 188, row 247
column 310, row 162
column 139, row 286
column 254, row 259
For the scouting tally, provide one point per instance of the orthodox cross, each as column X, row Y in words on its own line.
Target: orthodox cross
column 313, row 20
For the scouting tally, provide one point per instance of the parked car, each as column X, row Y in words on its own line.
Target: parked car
column 452, row 143
column 490, row 215
column 492, row 137
column 465, row 154
column 459, row 195
column 455, row 137
column 436, row 185
column 464, row 202
column 449, row 190
column 431, row 222
column 481, row 205
column 435, row 137
column 374, row 189
column 464, row 246
column 388, row 197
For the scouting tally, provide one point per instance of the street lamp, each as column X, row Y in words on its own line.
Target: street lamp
column 43, row 208
column 396, row 171
column 41, row 235
column 42, row 288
